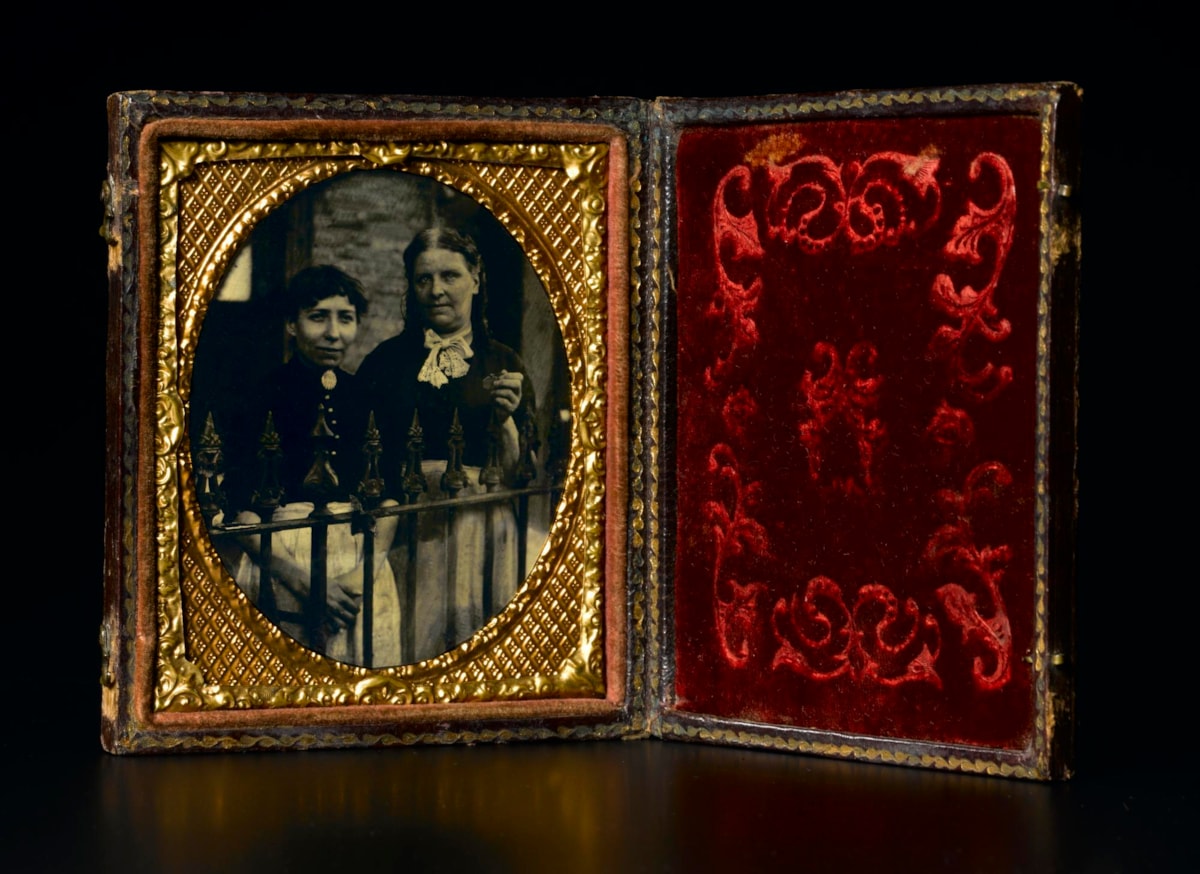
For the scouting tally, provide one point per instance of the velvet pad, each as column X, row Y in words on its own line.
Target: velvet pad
column 857, row 323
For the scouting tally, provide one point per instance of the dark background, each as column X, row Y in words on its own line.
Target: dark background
column 603, row 806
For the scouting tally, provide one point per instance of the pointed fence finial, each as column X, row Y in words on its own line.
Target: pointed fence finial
column 209, row 462
column 528, row 446
column 492, row 474
column 454, row 479
column 321, row 482
column 370, row 487
column 414, row 478
column 269, row 494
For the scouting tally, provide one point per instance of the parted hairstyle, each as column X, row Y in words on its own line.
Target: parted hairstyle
column 451, row 241
column 314, row 284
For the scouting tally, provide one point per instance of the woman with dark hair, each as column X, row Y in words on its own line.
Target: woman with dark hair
column 319, row 413
column 446, row 365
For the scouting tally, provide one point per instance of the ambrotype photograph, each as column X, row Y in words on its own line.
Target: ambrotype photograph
column 380, row 418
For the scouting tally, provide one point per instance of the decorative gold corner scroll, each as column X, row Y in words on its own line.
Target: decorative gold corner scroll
column 214, row 649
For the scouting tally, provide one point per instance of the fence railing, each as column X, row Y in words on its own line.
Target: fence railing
column 372, row 503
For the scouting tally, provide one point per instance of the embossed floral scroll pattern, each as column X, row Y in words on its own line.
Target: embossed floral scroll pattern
column 846, row 396
column 808, row 206
column 974, row 603
column 879, row 640
column 974, row 313
column 735, row 533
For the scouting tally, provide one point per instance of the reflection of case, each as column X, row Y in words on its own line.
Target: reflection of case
column 820, row 493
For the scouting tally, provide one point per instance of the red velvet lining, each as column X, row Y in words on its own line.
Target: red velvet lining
column 857, row 323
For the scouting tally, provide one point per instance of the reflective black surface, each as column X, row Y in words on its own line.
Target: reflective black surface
column 606, row 806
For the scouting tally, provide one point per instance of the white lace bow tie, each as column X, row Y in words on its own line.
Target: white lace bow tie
column 447, row 357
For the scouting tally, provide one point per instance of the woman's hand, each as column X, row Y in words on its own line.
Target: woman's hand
column 343, row 599
column 505, row 389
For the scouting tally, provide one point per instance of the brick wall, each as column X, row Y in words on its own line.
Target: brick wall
column 362, row 223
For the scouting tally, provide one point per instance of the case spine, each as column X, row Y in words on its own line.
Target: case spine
column 1063, row 481
column 120, row 204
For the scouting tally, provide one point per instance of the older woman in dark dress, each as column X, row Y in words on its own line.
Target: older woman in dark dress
column 446, row 364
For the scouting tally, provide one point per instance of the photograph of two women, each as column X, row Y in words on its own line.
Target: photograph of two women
column 380, row 417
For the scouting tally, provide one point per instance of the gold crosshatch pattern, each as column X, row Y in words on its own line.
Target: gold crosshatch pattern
column 215, row 650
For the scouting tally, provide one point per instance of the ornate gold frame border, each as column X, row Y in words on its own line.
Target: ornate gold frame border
column 506, row 659
column 1052, row 698
column 129, row 634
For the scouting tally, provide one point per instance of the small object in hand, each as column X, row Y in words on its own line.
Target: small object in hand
column 489, row 381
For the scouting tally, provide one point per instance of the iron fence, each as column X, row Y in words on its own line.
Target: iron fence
column 371, row 502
